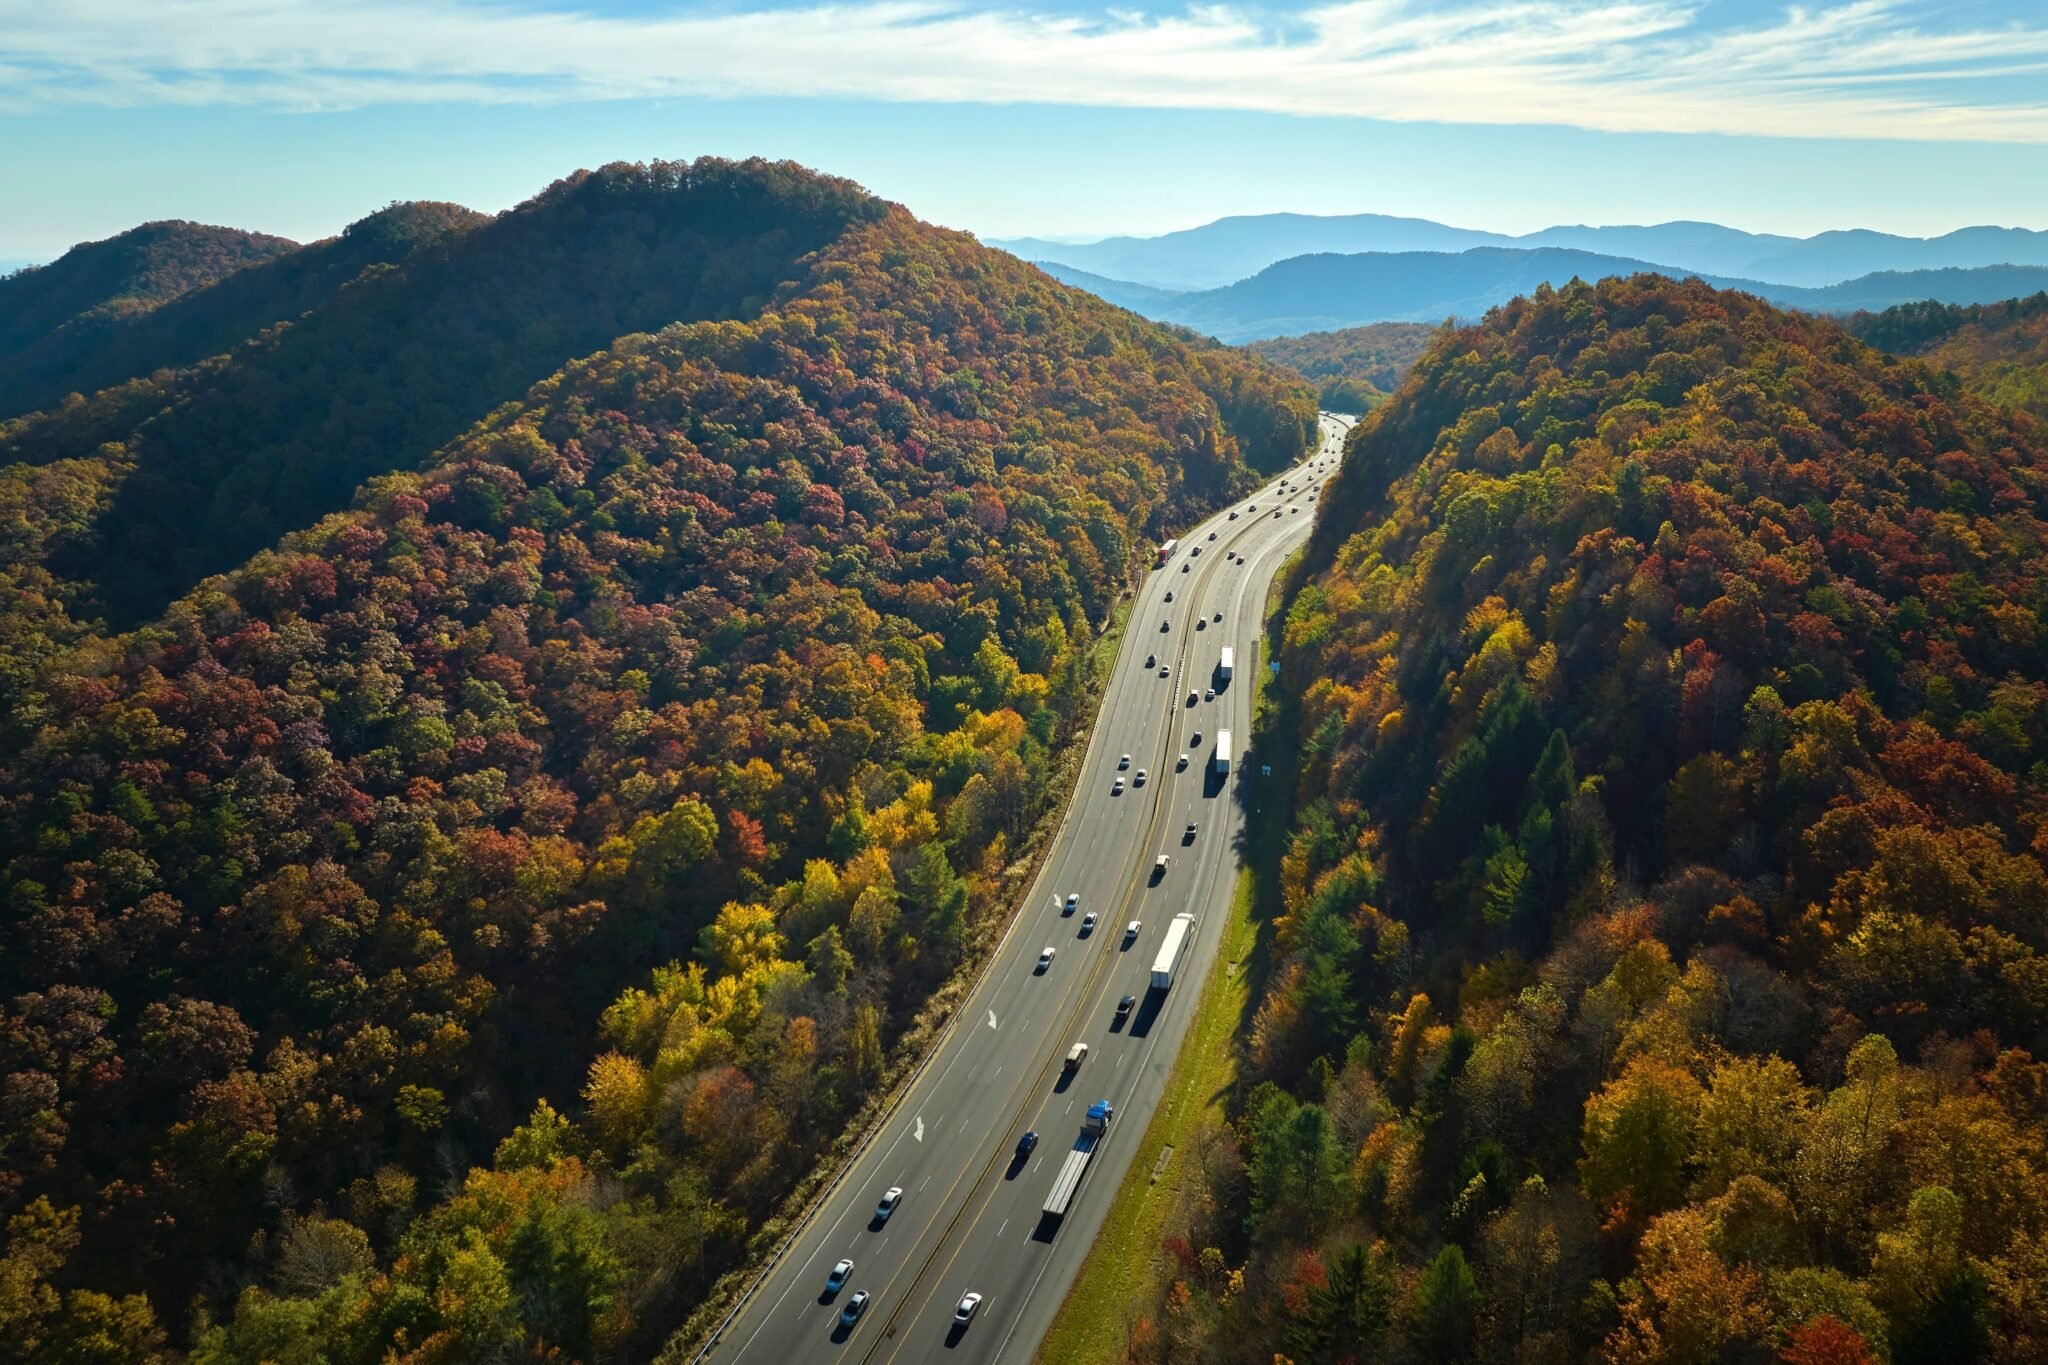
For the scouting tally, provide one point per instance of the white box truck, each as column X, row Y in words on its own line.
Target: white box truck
column 1222, row 759
column 1225, row 665
column 1094, row 1128
column 1180, row 932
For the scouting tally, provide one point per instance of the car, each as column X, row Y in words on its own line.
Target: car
column 1276, row 512
column 1076, row 1055
column 1294, row 509
column 1151, row 659
column 1201, row 623
column 1045, row 959
column 1196, row 738
column 1164, row 627
column 1131, row 929
column 1251, row 507
column 1124, row 762
column 1212, row 535
column 836, row 1281
column 1233, row 516
column 1116, row 788
column 1026, row 1143
column 1165, row 669
column 964, row 1314
column 1208, row 694
column 1139, row 780
column 1073, row 900
column 1183, row 761
column 1188, row 836
column 1169, row 594
column 890, row 1199
column 1123, row 1006
column 1217, row 618
column 1088, row 923
column 1194, row 552
column 1193, row 697
column 1186, row 567
column 855, row 1306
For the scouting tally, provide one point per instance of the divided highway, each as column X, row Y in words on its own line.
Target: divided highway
column 969, row 1216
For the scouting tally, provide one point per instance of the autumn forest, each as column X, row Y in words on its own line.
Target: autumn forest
column 514, row 730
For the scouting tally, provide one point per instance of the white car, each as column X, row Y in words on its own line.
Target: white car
column 1088, row 923
column 1183, row 761
column 1124, row 762
column 1131, row 929
column 1208, row 694
column 1139, row 780
column 964, row 1314
column 1045, row 959
column 836, row 1281
column 855, row 1306
column 1165, row 670
column 890, row 1200
column 1073, row 900
column 1116, row 788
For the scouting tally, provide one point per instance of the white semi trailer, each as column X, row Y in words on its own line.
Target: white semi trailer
column 1180, row 932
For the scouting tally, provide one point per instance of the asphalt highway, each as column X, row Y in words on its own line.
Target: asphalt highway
column 969, row 1217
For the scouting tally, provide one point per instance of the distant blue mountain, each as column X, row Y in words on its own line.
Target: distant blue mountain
column 1233, row 249
column 1321, row 293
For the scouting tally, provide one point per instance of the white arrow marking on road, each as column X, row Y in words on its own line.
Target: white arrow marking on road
column 918, row 1131
column 991, row 1018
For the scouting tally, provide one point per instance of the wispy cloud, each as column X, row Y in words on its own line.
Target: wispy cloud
column 1861, row 68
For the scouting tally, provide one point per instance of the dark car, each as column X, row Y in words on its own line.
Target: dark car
column 1026, row 1143
column 1125, row 1005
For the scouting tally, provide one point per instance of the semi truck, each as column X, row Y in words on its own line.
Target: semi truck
column 1094, row 1128
column 1222, row 759
column 1166, row 552
column 1225, row 665
column 1180, row 932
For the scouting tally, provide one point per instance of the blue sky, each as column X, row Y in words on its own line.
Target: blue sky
column 297, row 116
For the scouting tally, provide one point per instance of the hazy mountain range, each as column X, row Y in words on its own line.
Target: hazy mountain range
column 1328, row 291
column 1231, row 249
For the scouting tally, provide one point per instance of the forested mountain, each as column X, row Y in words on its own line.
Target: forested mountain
column 1139, row 298
column 211, row 318
column 1998, row 349
column 744, row 647
column 191, row 473
column 1661, row 974
column 1355, row 367
column 1231, row 249
column 100, row 283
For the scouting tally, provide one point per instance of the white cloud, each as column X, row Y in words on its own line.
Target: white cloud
column 1861, row 68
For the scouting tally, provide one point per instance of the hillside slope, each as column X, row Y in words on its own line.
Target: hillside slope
column 193, row 472
column 744, row 647
column 1355, row 366
column 1666, row 921
column 208, row 319
column 1999, row 350
column 99, row 283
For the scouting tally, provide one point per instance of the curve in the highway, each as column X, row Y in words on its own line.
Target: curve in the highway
column 969, row 1217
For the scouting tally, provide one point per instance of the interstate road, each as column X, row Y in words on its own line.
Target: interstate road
column 969, row 1219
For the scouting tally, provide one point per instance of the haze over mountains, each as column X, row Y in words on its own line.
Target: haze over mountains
column 1329, row 291
column 1230, row 249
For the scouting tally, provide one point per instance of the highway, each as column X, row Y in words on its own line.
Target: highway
column 969, row 1218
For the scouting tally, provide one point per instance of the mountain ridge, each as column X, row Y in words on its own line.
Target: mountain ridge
column 1230, row 249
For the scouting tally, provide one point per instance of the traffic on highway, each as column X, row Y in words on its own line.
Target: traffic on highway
column 956, row 1229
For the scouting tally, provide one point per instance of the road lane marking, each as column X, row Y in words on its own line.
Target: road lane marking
column 918, row 1131
column 1004, row 1228
column 991, row 1018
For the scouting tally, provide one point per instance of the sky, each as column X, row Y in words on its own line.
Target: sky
column 1059, row 119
